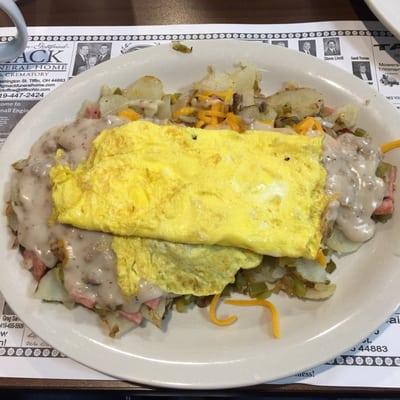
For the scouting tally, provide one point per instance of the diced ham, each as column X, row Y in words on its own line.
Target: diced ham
column 92, row 111
column 135, row 317
column 344, row 130
column 328, row 110
column 391, row 182
column 387, row 205
column 385, row 208
column 83, row 299
column 34, row 263
column 153, row 303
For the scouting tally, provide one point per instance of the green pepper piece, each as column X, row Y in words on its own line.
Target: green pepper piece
column 359, row 132
column 383, row 169
column 265, row 294
column 382, row 218
column 330, row 267
column 240, row 283
column 182, row 48
column 256, row 289
column 299, row 288
column 182, row 303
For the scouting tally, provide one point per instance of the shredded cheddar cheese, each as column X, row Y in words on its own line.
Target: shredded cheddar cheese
column 184, row 111
column 267, row 121
column 321, row 258
column 213, row 314
column 203, row 116
column 307, row 124
column 202, row 97
column 213, row 112
column 226, row 96
column 304, row 126
column 234, row 122
column 130, row 114
column 263, row 303
column 318, row 126
column 395, row 144
column 216, row 114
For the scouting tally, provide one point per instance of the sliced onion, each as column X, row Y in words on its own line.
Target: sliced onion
column 311, row 271
column 347, row 115
column 303, row 102
column 148, row 291
column 155, row 316
column 341, row 244
column 50, row 288
column 116, row 325
column 320, row 291
column 112, row 104
column 164, row 109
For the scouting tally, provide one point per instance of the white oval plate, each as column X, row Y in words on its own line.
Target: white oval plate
column 191, row 352
column 388, row 12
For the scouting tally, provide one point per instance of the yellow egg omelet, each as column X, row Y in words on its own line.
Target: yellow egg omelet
column 199, row 270
column 261, row 191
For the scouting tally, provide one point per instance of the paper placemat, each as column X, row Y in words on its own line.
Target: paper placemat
column 52, row 57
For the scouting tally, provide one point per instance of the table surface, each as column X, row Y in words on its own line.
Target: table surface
column 158, row 12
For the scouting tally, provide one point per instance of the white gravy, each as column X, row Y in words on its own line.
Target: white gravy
column 90, row 270
column 351, row 163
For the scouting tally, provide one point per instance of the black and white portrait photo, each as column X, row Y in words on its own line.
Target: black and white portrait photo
column 104, row 52
column 308, row 47
column 331, row 47
column 283, row 43
column 362, row 69
column 90, row 54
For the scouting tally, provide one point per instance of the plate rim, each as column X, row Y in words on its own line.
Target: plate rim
column 377, row 10
column 199, row 385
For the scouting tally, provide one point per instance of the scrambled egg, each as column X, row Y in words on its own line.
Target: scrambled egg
column 261, row 191
column 200, row 270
